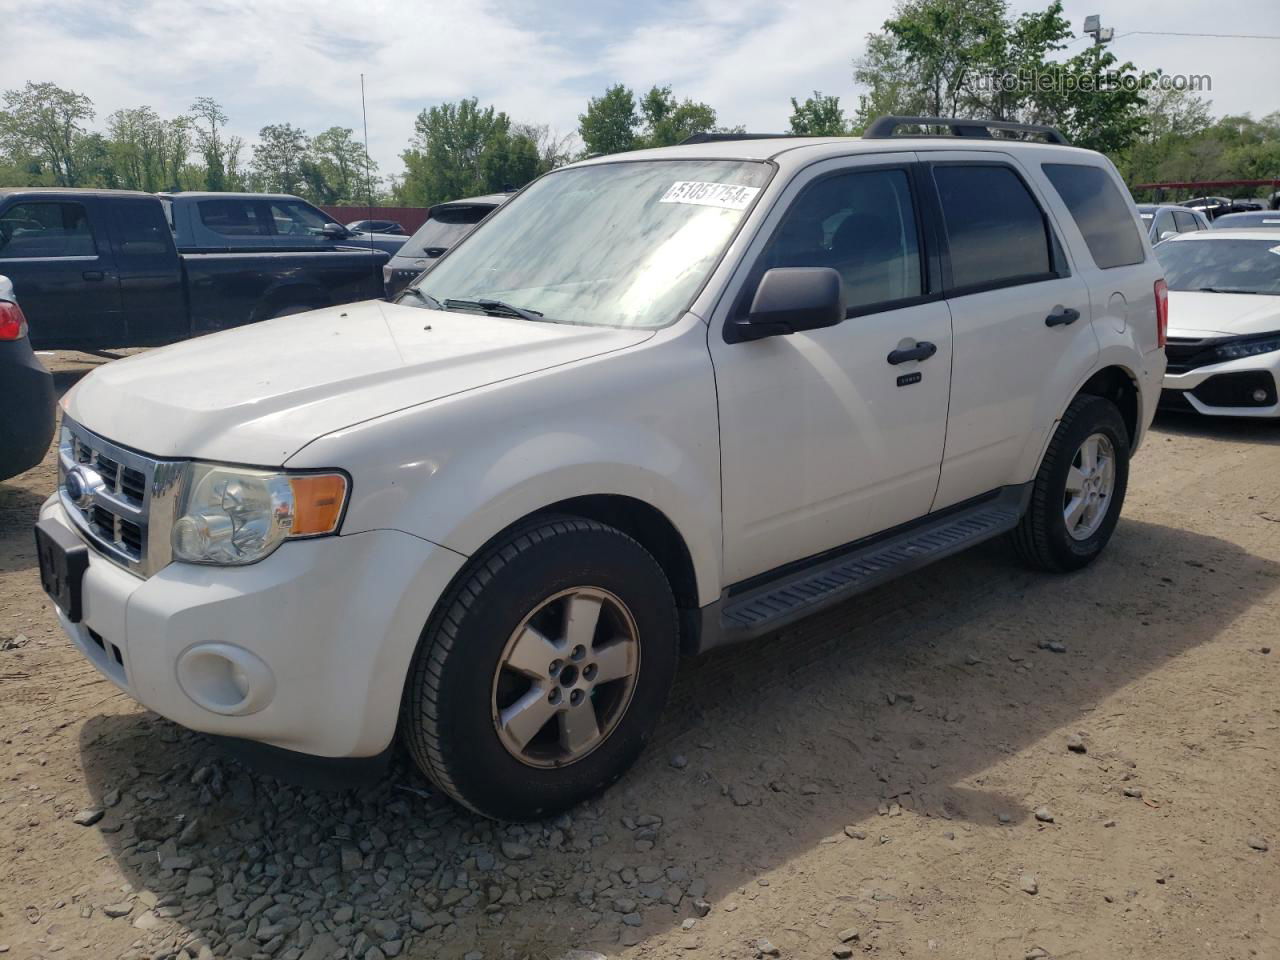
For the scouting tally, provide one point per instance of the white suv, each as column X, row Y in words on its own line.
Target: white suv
column 656, row 403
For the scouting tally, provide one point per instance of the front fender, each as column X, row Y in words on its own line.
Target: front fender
column 639, row 423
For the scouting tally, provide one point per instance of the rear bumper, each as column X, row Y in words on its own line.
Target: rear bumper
column 28, row 409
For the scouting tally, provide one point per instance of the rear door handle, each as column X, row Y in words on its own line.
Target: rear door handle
column 93, row 275
column 923, row 350
column 1062, row 317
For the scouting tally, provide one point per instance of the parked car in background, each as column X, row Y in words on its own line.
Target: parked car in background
column 657, row 402
column 29, row 401
column 1165, row 220
column 1253, row 220
column 446, row 224
column 99, row 268
column 1214, row 207
column 375, row 226
column 1224, row 332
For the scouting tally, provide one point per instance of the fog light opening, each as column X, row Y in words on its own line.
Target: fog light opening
column 226, row 679
column 1259, row 396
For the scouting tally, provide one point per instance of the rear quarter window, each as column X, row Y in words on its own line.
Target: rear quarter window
column 1099, row 211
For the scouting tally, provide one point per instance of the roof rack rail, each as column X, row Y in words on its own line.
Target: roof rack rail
column 882, row 128
column 723, row 137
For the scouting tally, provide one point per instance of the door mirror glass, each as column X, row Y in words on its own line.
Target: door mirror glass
column 791, row 299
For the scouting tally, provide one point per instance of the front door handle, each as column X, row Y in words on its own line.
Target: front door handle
column 1062, row 316
column 93, row 275
column 923, row 350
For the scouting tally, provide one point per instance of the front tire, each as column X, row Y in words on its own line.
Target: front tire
column 542, row 675
column 1079, row 490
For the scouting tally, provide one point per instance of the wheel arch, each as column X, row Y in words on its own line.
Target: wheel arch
column 1120, row 386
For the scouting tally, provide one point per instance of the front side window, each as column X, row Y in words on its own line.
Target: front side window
column 1185, row 221
column 1100, row 212
column 1222, row 266
column 620, row 244
column 234, row 217
column 863, row 225
column 45, row 229
column 295, row 219
column 996, row 232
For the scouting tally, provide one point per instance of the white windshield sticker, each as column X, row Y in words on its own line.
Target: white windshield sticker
column 728, row 196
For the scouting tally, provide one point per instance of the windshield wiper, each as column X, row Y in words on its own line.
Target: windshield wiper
column 1226, row 290
column 426, row 298
column 497, row 307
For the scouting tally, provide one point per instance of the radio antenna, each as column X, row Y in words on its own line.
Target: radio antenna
column 368, row 167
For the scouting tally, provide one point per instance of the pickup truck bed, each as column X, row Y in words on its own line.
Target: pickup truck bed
column 98, row 268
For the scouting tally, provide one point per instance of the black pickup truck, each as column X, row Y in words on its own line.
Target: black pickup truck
column 100, row 268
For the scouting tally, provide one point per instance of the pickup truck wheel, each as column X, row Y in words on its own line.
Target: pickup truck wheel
column 543, row 673
column 1078, row 493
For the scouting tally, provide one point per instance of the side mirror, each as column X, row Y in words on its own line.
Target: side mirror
column 791, row 299
column 335, row 231
column 1166, row 234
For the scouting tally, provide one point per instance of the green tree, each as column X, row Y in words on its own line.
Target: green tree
column 459, row 150
column 46, row 123
column 220, row 152
column 278, row 157
column 135, row 140
column 818, row 116
column 339, row 167
column 609, row 125
column 667, row 121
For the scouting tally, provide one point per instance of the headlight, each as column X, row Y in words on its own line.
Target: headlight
column 1247, row 348
column 234, row 515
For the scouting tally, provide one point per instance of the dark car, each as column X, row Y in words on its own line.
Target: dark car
column 27, row 414
column 446, row 224
column 1214, row 207
column 1165, row 220
column 375, row 226
column 1253, row 220
column 105, row 268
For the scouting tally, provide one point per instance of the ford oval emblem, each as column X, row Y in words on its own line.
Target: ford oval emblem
column 81, row 483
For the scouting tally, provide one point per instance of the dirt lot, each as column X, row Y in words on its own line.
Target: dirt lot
column 895, row 773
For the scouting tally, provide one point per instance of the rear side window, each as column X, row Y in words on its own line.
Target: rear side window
column 46, row 229
column 234, row 217
column 1099, row 211
column 996, row 232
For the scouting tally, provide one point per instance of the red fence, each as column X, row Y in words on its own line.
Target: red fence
column 411, row 218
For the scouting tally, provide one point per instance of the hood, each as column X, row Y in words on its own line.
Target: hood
column 257, row 394
column 1198, row 315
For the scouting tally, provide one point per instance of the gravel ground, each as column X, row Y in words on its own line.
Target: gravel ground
column 973, row 762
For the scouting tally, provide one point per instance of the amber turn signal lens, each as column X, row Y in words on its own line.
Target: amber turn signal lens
column 318, row 499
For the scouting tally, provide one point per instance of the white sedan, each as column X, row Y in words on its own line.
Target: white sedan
column 1224, row 322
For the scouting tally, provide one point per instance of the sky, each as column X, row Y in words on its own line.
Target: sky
column 276, row 61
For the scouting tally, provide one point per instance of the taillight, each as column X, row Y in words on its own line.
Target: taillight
column 13, row 325
column 1162, row 312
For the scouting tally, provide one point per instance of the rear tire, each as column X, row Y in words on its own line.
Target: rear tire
column 1075, row 505
column 503, row 652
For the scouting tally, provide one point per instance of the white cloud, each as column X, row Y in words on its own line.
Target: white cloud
column 287, row 60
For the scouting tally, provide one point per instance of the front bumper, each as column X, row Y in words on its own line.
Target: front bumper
column 307, row 650
column 1226, row 389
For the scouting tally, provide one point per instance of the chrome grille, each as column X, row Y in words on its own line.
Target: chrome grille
column 127, row 511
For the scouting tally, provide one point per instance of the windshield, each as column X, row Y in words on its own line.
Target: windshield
column 624, row 244
column 1222, row 266
column 445, row 227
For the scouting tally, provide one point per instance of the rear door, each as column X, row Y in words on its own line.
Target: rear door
column 58, row 256
column 152, row 297
column 1021, row 319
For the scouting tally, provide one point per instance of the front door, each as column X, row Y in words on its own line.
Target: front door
column 823, row 439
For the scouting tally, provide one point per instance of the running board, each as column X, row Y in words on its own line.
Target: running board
column 839, row 575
